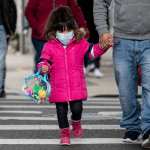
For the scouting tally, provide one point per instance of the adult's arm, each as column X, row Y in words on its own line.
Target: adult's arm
column 9, row 15
column 101, row 15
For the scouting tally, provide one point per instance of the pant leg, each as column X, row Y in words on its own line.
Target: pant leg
column 76, row 108
column 94, row 38
column 38, row 45
column 144, row 46
column 4, row 78
column 97, row 62
column 3, row 51
column 62, row 112
column 125, row 66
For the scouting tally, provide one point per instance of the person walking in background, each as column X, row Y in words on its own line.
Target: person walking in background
column 87, row 9
column 37, row 12
column 8, row 17
column 131, row 42
column 62, row 58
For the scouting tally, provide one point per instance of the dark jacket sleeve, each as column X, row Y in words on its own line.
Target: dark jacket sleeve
column 79, row 17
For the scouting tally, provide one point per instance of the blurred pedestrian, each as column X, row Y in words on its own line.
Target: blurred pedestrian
column 131, row 42
column 87, row 9
column 63, row 58
column 37, row 12
column 8, row 17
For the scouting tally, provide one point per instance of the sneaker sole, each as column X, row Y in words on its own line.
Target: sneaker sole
column 65, row 144
column 131, row 141
column 146, row 143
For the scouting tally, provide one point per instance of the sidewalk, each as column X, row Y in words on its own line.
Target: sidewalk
column 19, row 66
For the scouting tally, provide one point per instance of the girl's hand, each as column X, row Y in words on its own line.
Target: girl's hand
column 44, row 69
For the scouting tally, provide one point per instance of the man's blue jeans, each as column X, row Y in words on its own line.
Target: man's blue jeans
column 3, row 51
column 127, row 55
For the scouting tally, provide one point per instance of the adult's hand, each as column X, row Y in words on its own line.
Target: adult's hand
column 106, row 39
column 83, row 31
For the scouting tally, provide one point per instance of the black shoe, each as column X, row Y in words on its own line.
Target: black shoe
column 131, row 136
column 2, row 94
column 146, row 140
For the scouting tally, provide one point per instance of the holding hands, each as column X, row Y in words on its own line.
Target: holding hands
column 106, row 40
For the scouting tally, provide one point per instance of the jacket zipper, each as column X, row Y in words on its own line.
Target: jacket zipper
column 66, row 64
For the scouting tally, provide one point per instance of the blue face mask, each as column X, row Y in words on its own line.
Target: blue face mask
column 64, row 38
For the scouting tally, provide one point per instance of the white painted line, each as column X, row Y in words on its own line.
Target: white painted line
column 52, row 106
column 102, row 102
column 104, row 99
column 31, row 102
column 18, row 97
column 20, row 112
column 110, row 113
column 55, row 127
column 55, row 119
column 56, row 141
column 21, row 98
column 17, row 101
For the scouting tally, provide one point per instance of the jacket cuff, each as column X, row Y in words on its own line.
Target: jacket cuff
column 97, row 51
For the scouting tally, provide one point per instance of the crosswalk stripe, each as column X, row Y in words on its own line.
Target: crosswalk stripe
column 22, row 109
column 20, row 112
column 30, row 102
column 16, row 102
column 89, row 99
column 109, row 113
column 102, row 102
column 55, row 127
column 103, row 99
column 53, row 106
column 55, row 119
column 18, row 97
column 56, row 141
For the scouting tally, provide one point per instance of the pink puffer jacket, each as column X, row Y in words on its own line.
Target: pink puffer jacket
column 66, row 72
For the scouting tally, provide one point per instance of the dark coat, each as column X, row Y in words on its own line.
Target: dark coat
column 87, row 9
column 8, row 13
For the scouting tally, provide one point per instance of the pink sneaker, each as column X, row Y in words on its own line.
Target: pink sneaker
column 77, row 129
column 65, row 136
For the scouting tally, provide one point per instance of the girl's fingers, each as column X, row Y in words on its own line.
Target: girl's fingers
column 44, row 69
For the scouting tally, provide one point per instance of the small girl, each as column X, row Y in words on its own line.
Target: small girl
column 63, row 58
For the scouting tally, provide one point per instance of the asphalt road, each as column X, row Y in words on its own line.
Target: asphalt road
column 28, row 126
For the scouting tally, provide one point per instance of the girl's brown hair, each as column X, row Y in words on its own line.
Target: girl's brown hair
column 60, row 19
